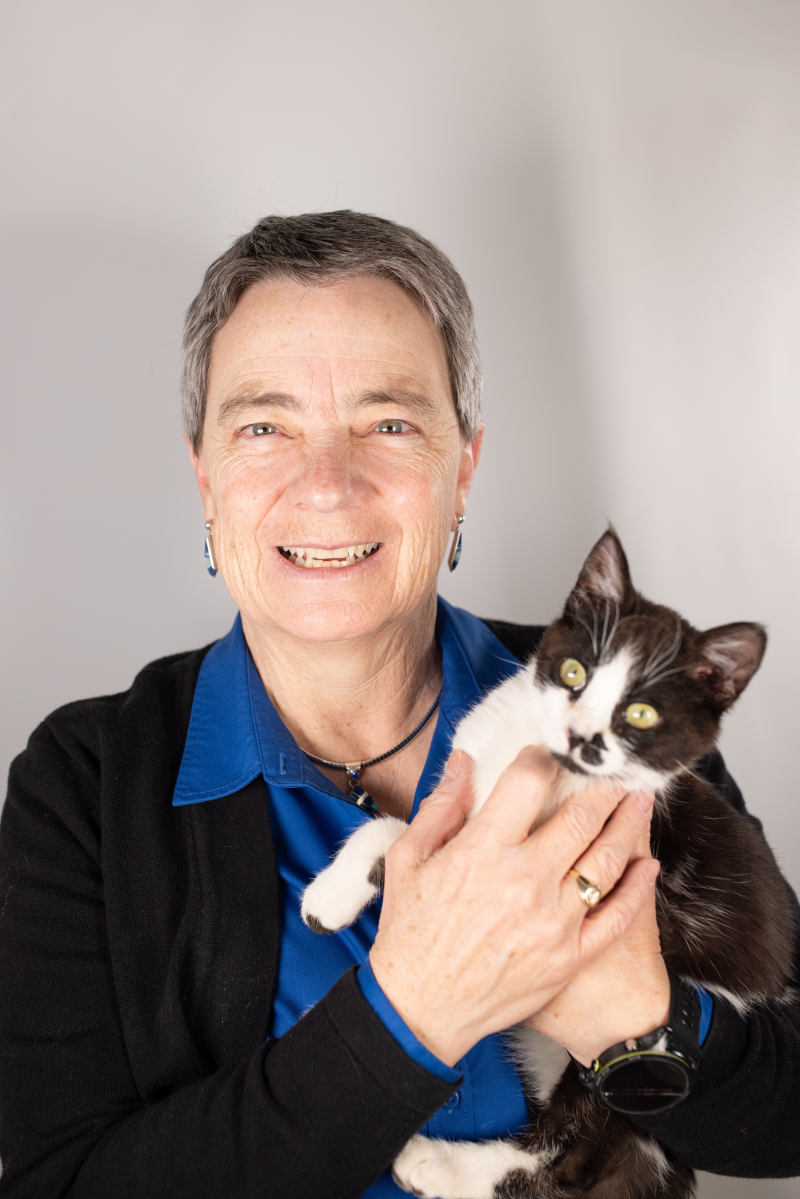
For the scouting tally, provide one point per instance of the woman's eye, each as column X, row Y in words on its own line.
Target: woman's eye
column 572, row 673
column 641, row 716
column 261, row 429
column 392, row 426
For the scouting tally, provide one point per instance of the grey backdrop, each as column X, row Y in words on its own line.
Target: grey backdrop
column 619, row 183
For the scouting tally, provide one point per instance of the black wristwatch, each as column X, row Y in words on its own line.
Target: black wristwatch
column 651, row 1074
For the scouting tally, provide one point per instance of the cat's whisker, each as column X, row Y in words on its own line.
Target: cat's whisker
column 670, row 656
column 582, row 622
column 659, row 655
column 608, row 633
column 664, row 675
column 605, row 629
column 508, row 661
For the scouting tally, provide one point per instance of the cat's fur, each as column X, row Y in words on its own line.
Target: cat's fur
column 723, row 908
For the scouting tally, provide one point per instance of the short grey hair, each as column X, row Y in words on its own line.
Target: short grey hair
column 318, row 248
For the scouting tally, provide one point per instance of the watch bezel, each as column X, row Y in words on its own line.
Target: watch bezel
column 675, row 1042
column 628, row 1059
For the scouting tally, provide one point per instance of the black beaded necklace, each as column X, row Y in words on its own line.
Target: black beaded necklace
column 358, row 796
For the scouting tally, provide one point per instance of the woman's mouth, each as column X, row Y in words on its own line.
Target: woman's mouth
column 345, row 555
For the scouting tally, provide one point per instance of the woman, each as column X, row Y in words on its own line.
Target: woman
column 168, row 1024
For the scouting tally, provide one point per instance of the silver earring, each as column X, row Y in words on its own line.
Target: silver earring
column 455, row 548
column 210, row 560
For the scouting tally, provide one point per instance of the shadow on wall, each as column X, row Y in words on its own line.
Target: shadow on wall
column 107, row 533
column 533, row 512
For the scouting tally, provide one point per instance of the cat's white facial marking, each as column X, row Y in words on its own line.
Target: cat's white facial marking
column 580, row 729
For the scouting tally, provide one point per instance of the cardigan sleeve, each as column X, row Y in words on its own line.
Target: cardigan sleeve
column 742, row 1115
column 320, row 1112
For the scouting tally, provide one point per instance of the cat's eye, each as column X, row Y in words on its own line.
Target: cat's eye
column 641, row 716
column 572, row 673
column 260, row 430
column 391, row 426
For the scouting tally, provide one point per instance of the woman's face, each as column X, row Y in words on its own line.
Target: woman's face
column 331, row 425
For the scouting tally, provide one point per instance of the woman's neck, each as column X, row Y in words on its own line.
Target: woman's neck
column 350, row 701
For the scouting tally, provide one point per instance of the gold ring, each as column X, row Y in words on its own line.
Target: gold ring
column 590, row 893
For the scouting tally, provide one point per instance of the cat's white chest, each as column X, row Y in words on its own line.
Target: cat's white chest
column 516, row 714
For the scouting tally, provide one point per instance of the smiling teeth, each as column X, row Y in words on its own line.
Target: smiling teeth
column 346, row 555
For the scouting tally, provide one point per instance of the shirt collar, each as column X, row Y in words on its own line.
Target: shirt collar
column 235, row 734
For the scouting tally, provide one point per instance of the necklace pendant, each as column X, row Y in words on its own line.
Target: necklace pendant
column 358, row 796
column 362, row 799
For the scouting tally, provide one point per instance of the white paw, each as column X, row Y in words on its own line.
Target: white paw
column 436, row 1169
column 334, row 899
column 423, row 1168
column 339, row 893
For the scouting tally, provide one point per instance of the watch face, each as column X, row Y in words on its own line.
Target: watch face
column 644, row 1084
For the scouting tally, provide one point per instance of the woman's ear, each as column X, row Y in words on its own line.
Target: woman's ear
column 200, row 473
column 470, row 453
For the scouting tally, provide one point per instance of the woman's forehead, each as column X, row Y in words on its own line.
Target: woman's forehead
column 356, row 333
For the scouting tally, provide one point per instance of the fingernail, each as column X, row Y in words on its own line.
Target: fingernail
column 651, row 871
column 644, row 802
column 453, row 768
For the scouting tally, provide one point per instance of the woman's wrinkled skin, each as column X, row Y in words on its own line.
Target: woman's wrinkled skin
column 330, row 424
column 326, row 368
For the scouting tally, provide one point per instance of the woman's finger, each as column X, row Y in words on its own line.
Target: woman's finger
column 442, row 814
column 605, row 860
column 569, row 832
column 617, row 913
column 518, row 797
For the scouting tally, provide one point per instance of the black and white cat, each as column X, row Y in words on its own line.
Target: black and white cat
column 624, row 690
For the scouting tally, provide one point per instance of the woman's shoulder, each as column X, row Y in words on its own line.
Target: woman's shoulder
column 522, row 640
column 107, row 735
column 166, row 684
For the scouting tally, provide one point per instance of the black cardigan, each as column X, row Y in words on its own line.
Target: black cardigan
column 138, row 960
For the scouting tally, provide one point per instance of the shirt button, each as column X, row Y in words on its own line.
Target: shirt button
column 453, row 1101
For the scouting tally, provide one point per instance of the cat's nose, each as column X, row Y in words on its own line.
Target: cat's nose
column 591, row 752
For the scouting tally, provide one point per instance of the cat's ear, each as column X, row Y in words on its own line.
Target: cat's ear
column 729, row 656
column 605, row 576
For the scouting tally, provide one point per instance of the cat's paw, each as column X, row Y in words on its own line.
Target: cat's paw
column 338, row 894
column 334, row 899
column 436, row 1169
column 421, row 1168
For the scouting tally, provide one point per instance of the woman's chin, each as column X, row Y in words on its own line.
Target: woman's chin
column 332, row 620
column 329, row 605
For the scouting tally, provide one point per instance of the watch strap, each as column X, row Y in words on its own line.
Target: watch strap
column 678, row 1038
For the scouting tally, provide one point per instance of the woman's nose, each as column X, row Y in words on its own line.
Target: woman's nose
column 326, row 482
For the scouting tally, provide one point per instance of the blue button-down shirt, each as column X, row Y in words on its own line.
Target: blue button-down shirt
column 234, row 735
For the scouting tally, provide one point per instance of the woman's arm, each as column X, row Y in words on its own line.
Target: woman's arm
column 743, row 1112
column 321, row 1112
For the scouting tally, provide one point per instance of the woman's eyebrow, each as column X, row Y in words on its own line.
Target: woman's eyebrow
column 415, row 400
column 251, row 400
column 246, row 402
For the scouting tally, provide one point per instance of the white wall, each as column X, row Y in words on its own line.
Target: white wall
column 619, row 183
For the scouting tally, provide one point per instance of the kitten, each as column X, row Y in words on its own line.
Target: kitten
column 625, row 690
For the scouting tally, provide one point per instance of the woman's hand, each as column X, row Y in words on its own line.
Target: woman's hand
column 623, row 992
column 481, row 925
